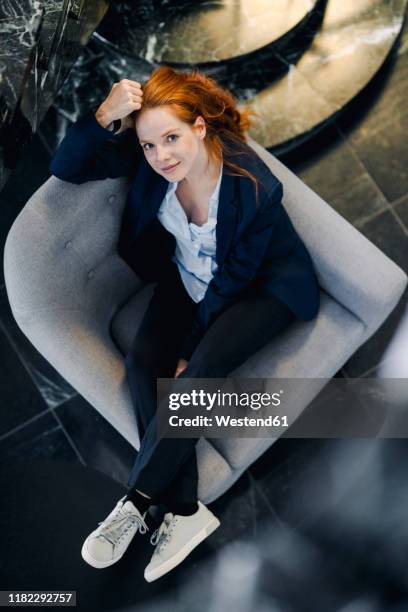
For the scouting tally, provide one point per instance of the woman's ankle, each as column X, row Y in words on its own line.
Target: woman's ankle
column 140, row 501
column 141, row 493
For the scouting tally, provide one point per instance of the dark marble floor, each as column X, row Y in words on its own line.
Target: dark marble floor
column 295, row 84
column 313, row 525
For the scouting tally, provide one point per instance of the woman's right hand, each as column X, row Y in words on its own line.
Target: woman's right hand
column 124, row 98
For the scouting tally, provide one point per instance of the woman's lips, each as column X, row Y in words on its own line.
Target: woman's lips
column 170, row 168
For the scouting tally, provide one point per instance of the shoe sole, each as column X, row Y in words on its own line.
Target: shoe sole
column 94, row 562
column 184, row 552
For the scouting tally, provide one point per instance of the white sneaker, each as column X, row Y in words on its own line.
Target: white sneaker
column 176, row 537
column 108, row 543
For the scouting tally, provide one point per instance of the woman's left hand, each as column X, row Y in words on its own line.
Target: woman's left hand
column 181, row 365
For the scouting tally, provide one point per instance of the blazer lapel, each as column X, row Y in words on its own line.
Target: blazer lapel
column 156, row 192
column 226, row 216
column 148, row 199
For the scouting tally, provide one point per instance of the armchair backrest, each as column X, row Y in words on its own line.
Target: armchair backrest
column 61, row 251
column 350, row 268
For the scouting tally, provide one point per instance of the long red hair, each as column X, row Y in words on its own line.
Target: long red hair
column 190, row 94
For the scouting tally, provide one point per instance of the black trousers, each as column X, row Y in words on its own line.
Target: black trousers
column 166, row 468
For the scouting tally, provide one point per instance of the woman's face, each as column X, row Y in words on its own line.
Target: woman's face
column 170, row 145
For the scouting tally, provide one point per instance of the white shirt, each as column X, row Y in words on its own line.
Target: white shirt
column 195, row 244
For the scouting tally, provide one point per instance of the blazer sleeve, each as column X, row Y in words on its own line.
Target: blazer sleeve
column 238, row 270
column 90, row 152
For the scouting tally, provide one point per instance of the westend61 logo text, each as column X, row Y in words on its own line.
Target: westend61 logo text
column 206, row 400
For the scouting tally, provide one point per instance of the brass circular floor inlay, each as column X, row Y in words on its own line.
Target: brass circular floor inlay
column 348, row 50
column 200, row 32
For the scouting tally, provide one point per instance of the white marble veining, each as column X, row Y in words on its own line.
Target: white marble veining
column 39, row 42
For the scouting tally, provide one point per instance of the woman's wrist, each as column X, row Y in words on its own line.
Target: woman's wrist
column 102, row 118
column 107, row 123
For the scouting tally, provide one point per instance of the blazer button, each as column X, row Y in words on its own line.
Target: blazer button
column 112, row 198
column 91, row 273
column 68, row 244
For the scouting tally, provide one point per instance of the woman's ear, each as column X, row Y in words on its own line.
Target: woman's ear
column 199, row 124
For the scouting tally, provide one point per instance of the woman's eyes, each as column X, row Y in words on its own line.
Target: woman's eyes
column 147, row 145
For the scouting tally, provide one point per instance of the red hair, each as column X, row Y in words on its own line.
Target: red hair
column 190, row 94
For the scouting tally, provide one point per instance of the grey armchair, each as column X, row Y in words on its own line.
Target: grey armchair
column 80, row 304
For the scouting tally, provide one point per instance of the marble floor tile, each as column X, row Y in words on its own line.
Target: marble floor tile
column 327, row 165
column 281, row 99
column 403, row 41
column 242, row 510
column 385, row 156
column 367, row 526
column 348, row 409
column 401, row 209
column 350, row 48
column 382, row 102
column 297, row 484
column 20, row 398
column 52, row 130
column 278, row 453
column 42, row 438
column 387, row 234
column 100, row 445
column 92, row 76
column 375, row 125
column 360, row 199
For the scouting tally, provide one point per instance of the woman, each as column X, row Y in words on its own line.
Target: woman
column 204, row 220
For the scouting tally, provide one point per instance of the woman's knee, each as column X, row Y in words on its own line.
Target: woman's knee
column 207, row 365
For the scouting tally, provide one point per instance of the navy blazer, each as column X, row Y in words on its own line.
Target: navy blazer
column 257, row 245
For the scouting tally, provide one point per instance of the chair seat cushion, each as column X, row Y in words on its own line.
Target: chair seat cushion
column 300, row 353
column 127, row 320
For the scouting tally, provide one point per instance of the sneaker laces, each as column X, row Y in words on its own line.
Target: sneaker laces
column 161, row 535
column 112, row 529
